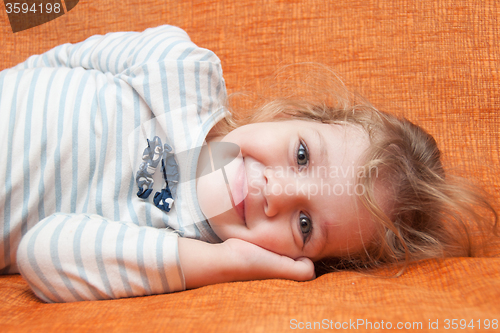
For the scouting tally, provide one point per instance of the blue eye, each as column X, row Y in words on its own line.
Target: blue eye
column 302, row 155
column 305, row 225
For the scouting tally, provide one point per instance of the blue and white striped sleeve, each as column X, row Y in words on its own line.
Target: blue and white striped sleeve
column 112, row 53
column 77, row 257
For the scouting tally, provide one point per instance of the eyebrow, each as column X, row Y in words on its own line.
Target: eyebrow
column 322, row 234
column 323, row 151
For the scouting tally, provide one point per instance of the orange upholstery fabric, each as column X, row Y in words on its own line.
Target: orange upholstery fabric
column 437, row 62
column 431, row 291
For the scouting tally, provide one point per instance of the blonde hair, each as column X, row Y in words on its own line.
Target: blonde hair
column 431, row 215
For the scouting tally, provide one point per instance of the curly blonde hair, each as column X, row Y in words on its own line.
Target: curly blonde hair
column 432, row 215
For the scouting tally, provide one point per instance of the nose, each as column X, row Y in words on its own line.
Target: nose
column 282, row 191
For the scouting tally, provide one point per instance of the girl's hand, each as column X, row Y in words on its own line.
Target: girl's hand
column 237, row 260
column 251, row 262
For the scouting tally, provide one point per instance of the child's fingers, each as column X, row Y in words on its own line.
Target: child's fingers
column 282, row 267
column 254, row 262
column 302, row 270
column 308, row 268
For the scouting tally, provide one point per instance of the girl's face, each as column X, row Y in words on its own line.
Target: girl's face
column 293, row 189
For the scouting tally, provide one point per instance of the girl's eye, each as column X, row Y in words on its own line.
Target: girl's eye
column 302, row 155
column 305, row 225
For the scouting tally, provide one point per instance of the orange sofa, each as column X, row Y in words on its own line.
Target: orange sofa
column 437, row 62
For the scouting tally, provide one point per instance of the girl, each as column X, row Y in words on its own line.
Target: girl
column 84, row 215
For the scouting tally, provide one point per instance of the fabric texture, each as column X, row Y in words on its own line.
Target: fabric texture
column 435, row 62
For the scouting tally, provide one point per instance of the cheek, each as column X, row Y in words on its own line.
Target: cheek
column 213, row 195
column 272, row 237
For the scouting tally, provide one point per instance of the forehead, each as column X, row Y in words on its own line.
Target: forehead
column 344, row 142
column 345, row 129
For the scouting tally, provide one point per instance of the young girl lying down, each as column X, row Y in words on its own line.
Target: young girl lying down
column 124, row 174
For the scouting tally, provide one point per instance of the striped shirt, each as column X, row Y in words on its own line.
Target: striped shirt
column 74, row 123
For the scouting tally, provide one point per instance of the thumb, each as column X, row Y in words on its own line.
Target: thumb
column 304, row 269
